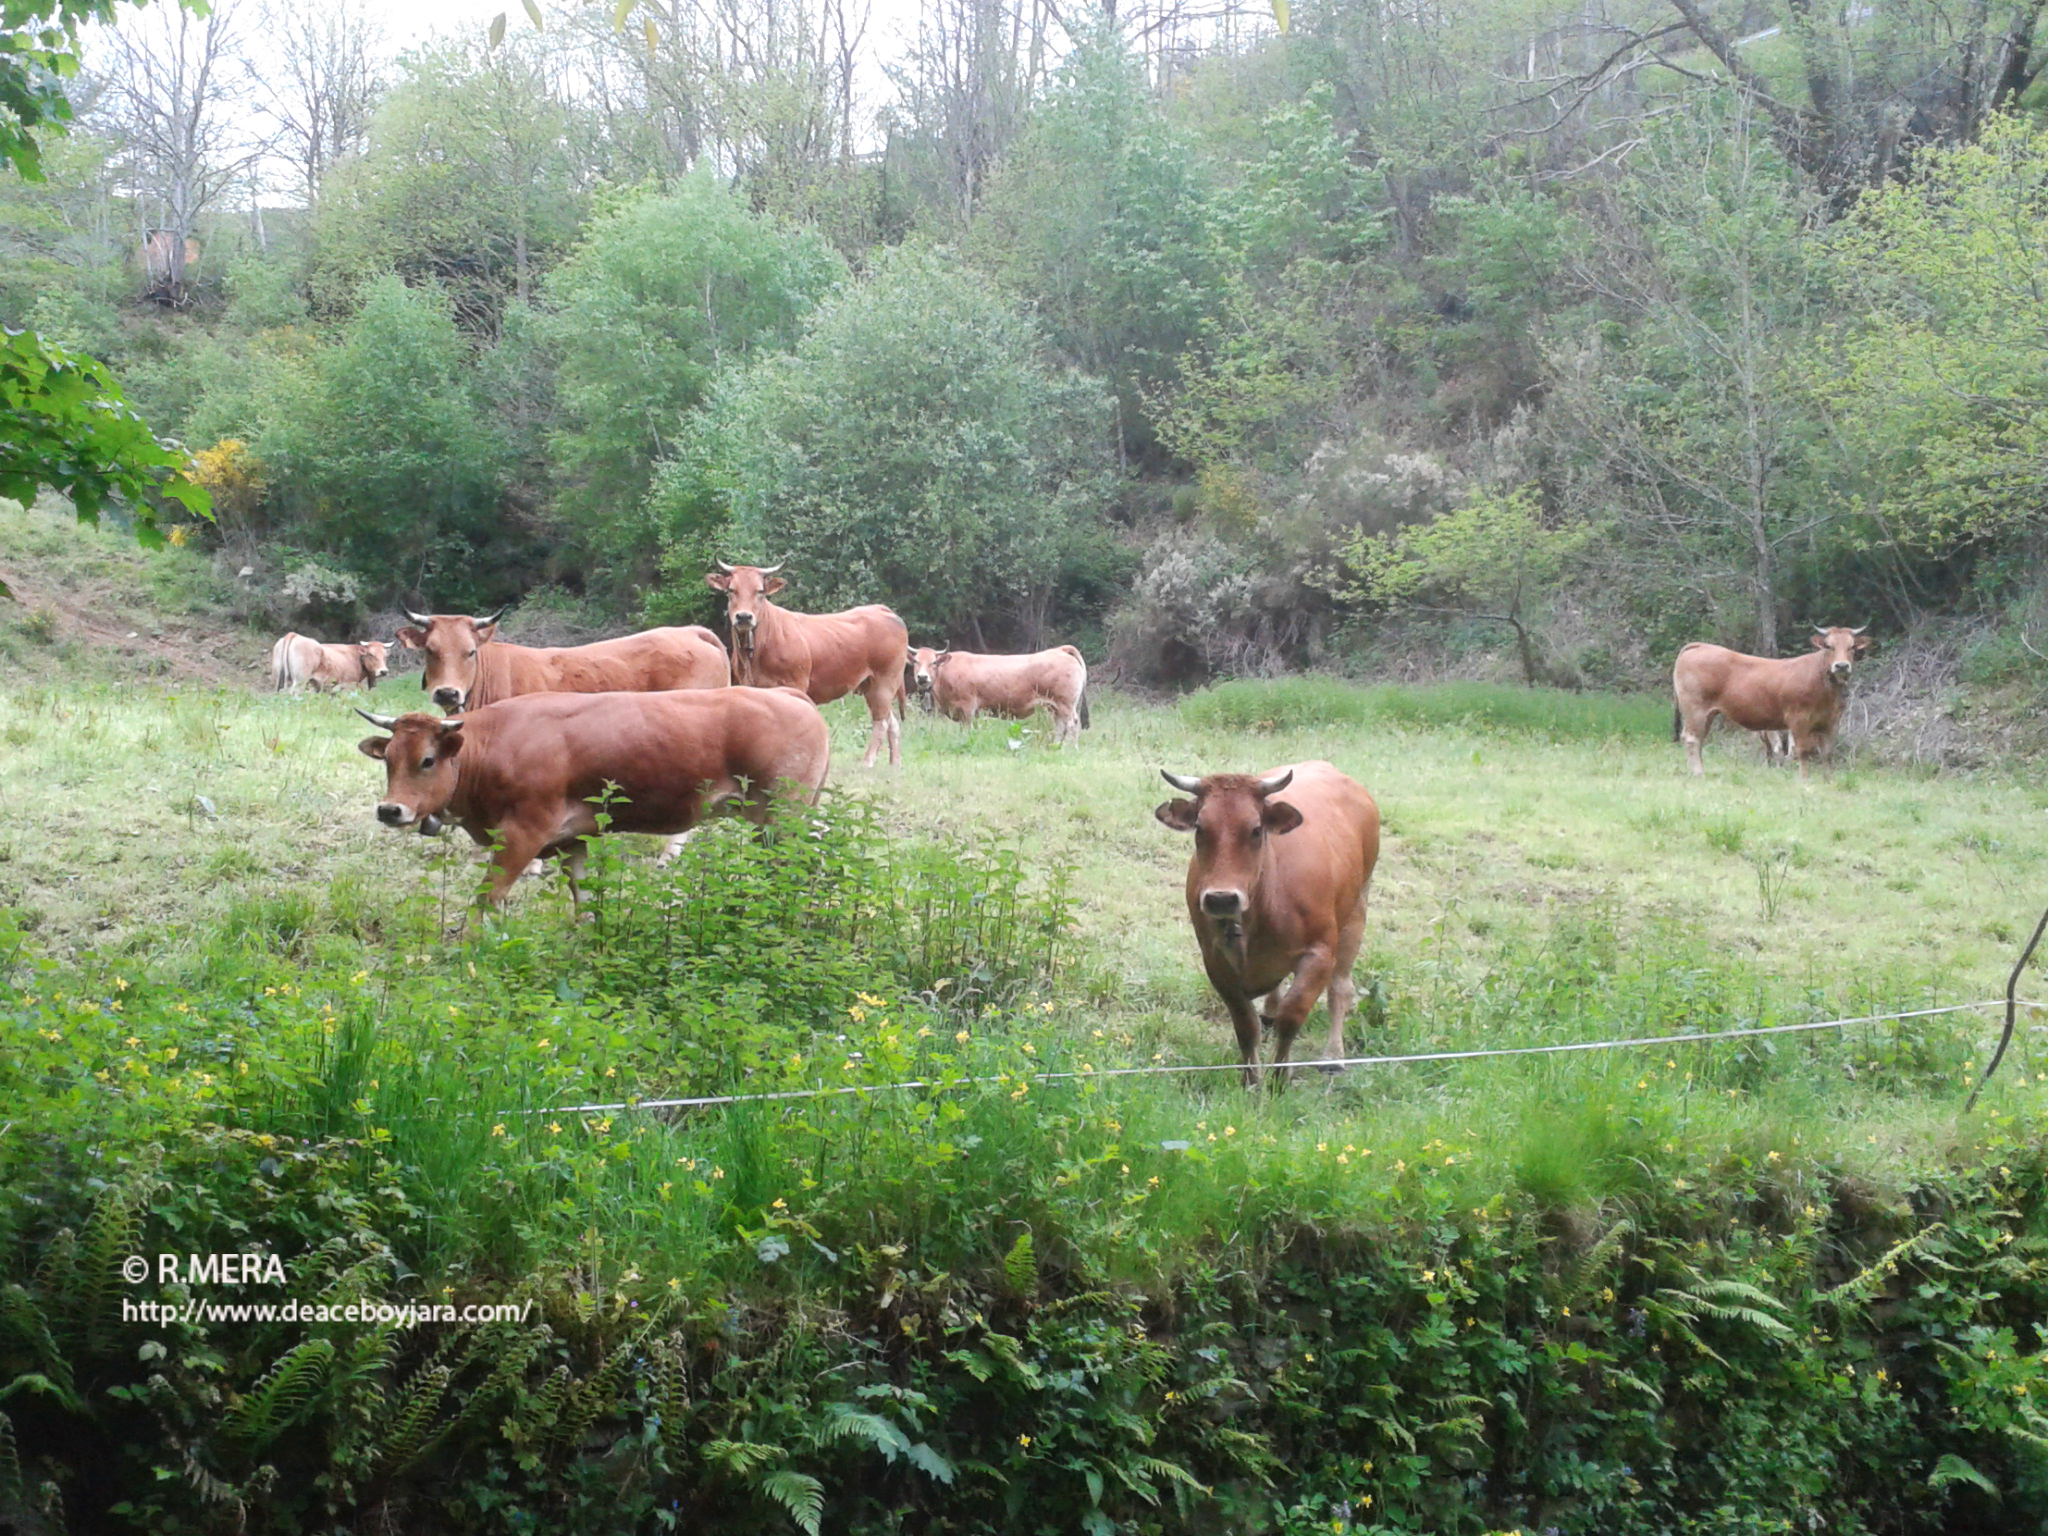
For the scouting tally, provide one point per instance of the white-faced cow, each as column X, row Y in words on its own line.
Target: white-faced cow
column 468, row 666
column 962, row 684
column 527, row 771
column 827, row 655
column 297, row 662
column 1276, row 891
column 1801, row 696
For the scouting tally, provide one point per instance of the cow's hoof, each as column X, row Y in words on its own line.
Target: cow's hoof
column 1330, row 1068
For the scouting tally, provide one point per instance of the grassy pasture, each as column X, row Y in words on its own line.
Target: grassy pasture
column 1521, row 828
column 233, row 992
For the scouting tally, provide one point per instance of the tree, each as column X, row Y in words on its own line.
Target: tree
column 1943, row 392
column 324, row 84
column 63, row 422
column 376, row 450
column 915, row 448
column 1103, row 219
column 1493, row 559
column 1695, row 410
column 661, row 293
column 177, row 81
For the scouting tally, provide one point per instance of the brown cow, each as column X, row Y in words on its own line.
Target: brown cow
column 828, row 655
column 1799, row 695
column 1277, row 892
column 962, row 684
column 469, row 667
column 297, row 662
column 527, row 770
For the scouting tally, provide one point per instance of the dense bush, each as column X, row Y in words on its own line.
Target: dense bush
column 916, row 447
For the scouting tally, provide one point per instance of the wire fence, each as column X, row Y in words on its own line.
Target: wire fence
column 1095, row 1074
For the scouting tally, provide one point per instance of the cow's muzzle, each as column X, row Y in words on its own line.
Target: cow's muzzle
column 1839, row 671
column 392, row 814
column 448, row 698
column 1223, row 903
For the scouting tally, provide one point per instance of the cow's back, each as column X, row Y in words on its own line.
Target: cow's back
column 655, row 660
column 1754, row 693
column 1323, row 865
column 1012, row 685
column 657, row 749
column 829, row 655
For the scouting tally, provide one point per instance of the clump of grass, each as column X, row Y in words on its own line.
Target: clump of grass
column 1304, row 702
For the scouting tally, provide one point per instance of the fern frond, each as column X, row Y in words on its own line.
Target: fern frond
column 413, row 1415
column 1857, row 1288
column 23, row 1321
column 802, row 1495
column 843, row 1421
column 742, row 1456
column 1020, row 1266
column 281, row 1394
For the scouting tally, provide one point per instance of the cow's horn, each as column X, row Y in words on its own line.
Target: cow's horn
column 727, row 567
column 450, row 725
column 485, row 623
column 382, row 722
column 1859, row 629
column 1278, row 782
column 1820, row 629
column 770, row 570
column 417, row 618
column 1182, row 782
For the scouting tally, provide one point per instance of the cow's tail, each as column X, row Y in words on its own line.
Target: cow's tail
column 281, row 664
column 1677, row 722
column 1081, row 699
column 1081, row 704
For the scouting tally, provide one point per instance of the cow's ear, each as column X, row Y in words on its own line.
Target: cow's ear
column 718, row 581
column 373, row 746
column 1280, row 818
column 1865, row 644
column 412, row 639
column 485, row 631
column 1177, row 814
column 448, row 744
column 1820, row 642
column 772, row 585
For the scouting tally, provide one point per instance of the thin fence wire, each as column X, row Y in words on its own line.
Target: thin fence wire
column 719, row 1100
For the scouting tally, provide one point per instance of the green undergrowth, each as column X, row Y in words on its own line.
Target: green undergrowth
column 1703, row 1288
column 1294, row 703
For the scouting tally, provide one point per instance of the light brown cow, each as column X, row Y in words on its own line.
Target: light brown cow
column 961, row 684
column 527, row 770
column 828, row 655
column 1277, row 891
column 468, row 667
column 297, row 662
column 1799, row 695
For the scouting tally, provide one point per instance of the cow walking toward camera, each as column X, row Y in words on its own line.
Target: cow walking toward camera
column 468, row 666
column 964, row 684
column 529, row 773
column 1276, row 891
column 1801, row 696
column 827, row 655
column 297, row 662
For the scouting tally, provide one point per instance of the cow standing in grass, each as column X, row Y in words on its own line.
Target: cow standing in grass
column 1276, row 891
column 533, row 773
column 962, row 684
column 297, row 662
column 1801, row 696
column 468, row 666
column 827, row 655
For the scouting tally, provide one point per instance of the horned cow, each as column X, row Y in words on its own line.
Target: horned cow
column 468, row 666
column 1276, row 892
column 531, row 773
column 299, row 662
column 962, row 684
column 1801, row 696
column 827, row 655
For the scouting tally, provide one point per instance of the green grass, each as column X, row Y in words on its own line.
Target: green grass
column 216, row 970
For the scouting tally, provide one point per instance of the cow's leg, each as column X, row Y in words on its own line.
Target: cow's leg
column 1245, row 1021
column 517, row 848
column 1693, row 732
column 1343, row 987
column 1312, row 973
column 881, row 717
column 1066, row 725
column 674, row 846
